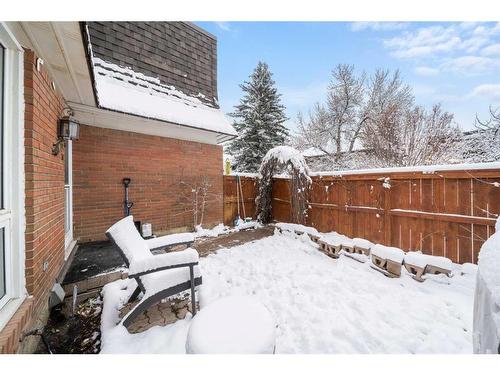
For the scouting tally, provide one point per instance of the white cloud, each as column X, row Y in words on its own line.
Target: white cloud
column 470, row 64
column 467, row 25
column 424, row 41
column 426, row 71
column 475, row 43
column 223, row 26
column 432, row 41
column 379, row 26
column 486, row 31
column 490, row 91
column 464, row 48
column 491, row 50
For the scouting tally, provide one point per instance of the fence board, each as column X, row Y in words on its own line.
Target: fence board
column 232, row 199
column 448, row 213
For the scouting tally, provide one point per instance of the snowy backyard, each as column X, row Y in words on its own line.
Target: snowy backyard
column 320, row 304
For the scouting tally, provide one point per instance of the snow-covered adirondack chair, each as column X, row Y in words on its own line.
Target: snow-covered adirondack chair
column 157, row 276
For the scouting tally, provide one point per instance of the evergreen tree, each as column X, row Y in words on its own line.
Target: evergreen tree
column 259, row 120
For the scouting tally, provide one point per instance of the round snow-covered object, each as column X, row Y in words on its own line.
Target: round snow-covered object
column 232, row 325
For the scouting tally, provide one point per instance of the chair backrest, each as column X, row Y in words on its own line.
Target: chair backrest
column 128, row 240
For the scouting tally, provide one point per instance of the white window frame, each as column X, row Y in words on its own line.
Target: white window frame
column 12, row 216
column 68, row 235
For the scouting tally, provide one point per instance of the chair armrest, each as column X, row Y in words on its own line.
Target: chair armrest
column 162, row 262
column 170, row 240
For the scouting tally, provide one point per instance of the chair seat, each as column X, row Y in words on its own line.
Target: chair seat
column 158, row 281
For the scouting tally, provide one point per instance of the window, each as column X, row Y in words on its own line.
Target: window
column 3, row 288
column 1, row 123
column 12, row 244
column 3, row 279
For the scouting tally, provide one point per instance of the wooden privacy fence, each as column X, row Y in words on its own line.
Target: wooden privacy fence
column 249, row 189
column 446, row 213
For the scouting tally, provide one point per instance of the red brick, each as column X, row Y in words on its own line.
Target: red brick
column 156, row 165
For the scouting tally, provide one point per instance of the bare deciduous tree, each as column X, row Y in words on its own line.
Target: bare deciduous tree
column 415, row 137
column 378, row 113
column 493, row 123
column 333, row 128
column 195, row 196
column 484, row 145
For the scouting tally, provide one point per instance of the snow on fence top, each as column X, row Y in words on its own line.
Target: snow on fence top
column 245, row 174
column 122, row 89
column 422, row 168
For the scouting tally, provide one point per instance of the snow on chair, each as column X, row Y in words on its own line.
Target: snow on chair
column 348, row 246
column 314, row 238
column 362, row 246
column 387, row 260
column 419, row 264
column 157, row 276
column 415, row 264
column 330, row 247
column 357, row 249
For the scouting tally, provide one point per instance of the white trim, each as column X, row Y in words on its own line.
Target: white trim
column 14, row 212
column 68, row 155
column 36, row 47
column 5, row 227
column 69, row 249
column 103, row 118
column 64, row 50
column 9, row 309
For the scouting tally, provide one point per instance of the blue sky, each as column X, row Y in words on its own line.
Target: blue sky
column 456, row 64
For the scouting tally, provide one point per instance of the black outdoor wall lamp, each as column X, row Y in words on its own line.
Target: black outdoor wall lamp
column 67, row 129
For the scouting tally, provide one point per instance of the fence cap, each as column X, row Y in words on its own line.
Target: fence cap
column 430, row 169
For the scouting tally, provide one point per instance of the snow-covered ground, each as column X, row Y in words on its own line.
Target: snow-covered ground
column 321, row 305
column 223, row 229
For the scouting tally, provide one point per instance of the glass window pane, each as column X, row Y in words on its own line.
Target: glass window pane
column 1, row 125
column 2, row 263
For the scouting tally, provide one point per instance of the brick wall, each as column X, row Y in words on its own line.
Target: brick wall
column 162, row 170
column 178, row 53
column 44, row 185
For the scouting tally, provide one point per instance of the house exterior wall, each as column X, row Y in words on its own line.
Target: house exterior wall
column 44, row 201
column 178, row 53
column 44, row 186
column 163, row 172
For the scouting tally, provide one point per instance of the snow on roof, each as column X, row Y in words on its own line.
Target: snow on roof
column 122, row 89
column 312, row 151
column 420, row 168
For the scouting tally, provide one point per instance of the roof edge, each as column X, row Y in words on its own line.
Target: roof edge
column 199, row 29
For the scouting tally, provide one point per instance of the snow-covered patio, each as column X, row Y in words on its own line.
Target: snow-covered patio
column 321, row 305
